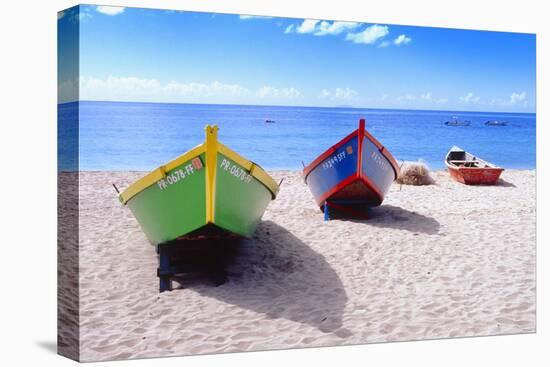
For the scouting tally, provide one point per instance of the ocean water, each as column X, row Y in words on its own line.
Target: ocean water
column 142, row 136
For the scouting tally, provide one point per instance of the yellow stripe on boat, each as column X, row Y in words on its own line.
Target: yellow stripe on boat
column 211, row 147
column 211, row 159
column 254, row 170
column 158, row 174
column 199, row 149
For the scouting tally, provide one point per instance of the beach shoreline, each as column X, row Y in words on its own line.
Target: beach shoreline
column 437, row 261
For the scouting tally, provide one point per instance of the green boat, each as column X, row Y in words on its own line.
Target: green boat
column 206, row 189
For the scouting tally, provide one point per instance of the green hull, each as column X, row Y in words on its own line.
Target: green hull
column 204, row 187
column 168, row 209
column 240, row 199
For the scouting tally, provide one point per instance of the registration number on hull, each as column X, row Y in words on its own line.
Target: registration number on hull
column 235, row 171
column 180, row 173
column 337, row 158
column 377, row 158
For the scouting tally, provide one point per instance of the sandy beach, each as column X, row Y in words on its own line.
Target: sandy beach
column 438, row 261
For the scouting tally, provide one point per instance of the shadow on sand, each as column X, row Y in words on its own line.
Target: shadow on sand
column 389, row 216
column 504, row 183
column 276, row 274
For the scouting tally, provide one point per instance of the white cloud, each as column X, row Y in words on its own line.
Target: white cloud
column 307, row 26
column 339, row 94
column 406, row 97
column 115, row 88
column 109, row 10
column 402, row 40
column 205, row 90
column 247, row 17
column 95, row 88
column 470, row 98
column 128, row 88
column 516, row 98
column 271, row 92
column 369, row 35
column 334, row 28
column 289, row 29
column 321, row 27
column 424, row 97
column 430, row 98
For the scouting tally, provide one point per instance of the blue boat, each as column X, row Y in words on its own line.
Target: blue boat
column 352, row 175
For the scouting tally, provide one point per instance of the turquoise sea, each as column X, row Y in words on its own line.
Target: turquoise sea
column 142, row 136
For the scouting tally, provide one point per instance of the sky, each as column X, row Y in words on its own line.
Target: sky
column 145, row 55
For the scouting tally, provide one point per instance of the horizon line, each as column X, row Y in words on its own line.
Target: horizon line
column 328, row 107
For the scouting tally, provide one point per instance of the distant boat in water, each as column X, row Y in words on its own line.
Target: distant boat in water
column 513, row 146
column 468, row 169
column 352, row 175
column 456, row 122
column 268, row 121
column 496, row 123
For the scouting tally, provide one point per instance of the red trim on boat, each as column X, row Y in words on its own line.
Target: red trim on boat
column 342, row 184
column 361, row 133
column 317, row 161
column 326, row 154
column 345, row 182
column 473, row 175
column 373, row 187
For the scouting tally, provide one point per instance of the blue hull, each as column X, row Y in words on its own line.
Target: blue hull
column 336, row 168
column 358, row 170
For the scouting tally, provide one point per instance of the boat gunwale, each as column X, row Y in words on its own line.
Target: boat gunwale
column 253, row 169
column 317, row 161
column 385, row 153
column 348, row 181
column 381, row 148
column 159, row 173
column 458, row 168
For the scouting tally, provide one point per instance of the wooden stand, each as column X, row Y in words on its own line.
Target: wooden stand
column 164, row 271
column 191, row 256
